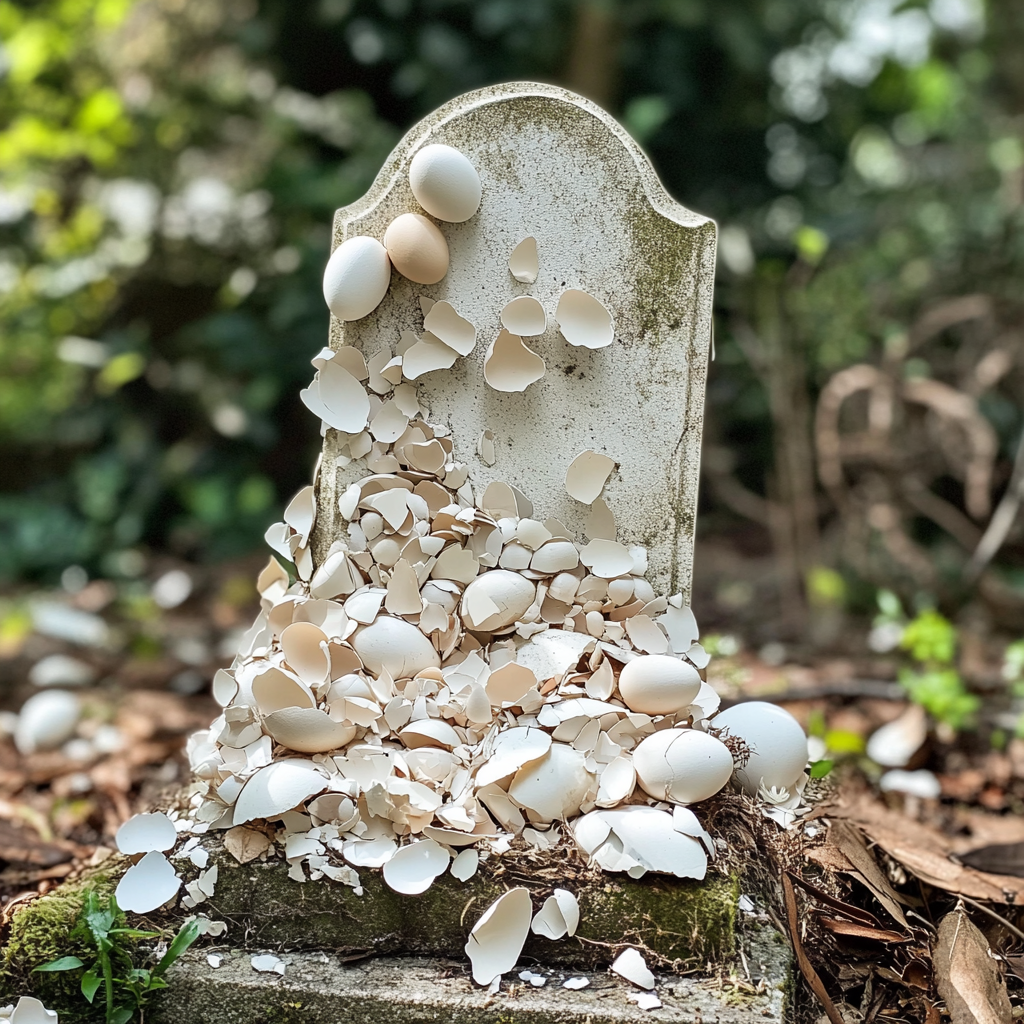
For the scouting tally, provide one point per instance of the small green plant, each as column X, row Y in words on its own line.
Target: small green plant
column 127, row 988
column 934, row 683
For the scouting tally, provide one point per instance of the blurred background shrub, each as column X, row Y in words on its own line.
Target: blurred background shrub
column 170, row 169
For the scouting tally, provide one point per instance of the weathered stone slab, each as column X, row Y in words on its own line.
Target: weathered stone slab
column 322, row 989
column 555, row 166
column 680, row 920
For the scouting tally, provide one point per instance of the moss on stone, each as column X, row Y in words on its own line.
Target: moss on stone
column 676, row 919
column 40, row 932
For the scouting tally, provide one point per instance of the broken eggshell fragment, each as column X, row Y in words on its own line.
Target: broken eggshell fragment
column 308, row 730
column 445, row 183
column 499, row 935
column 524, row 316
column 147, row 885
column 583, row 320
column 684, row 766
column 143, row 833
column 277, row 788
column 554, row 786
column 510, row 366
column 414, row 867
column 395, row 645
column 522, row 264
column 417, row 249
column 587, row 474
column 496, row 599
column 356, row 278
column 778, row 745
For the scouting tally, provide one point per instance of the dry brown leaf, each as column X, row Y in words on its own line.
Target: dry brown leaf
column 999, row 858
column 245, row 844
column 803, row 962
column 853, row 930
column 966, row 976
column 850, row 841
column 924, row 852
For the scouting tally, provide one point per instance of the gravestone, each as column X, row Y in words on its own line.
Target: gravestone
column 556, row 167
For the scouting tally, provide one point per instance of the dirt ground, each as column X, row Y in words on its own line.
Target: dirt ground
column 901, row 907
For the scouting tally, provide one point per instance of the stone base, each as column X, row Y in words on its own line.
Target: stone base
column 320, row 988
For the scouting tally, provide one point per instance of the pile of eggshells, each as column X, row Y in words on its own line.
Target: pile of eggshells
column 458, row 670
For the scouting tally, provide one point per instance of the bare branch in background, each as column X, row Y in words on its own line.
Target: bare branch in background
column 1002, row 520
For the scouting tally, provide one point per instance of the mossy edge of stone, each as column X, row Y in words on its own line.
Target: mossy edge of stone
column 676, row 919
column 40, row 932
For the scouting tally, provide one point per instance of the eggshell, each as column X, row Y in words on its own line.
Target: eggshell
column 142, row 833
column 31, row 1011
column 499, row 935
column 429, row 732
column 414, row 867
column 777, row 743
column 395, row 645
column 417, row 248
column 147, row 885
column 277, row 788
column 445, row 183
column 554, row 785
column 356, row 278
column 46, row 720
column 656, row 684
column 308, row 730
column 272, row 690
column 682, row 765
column 495, row 600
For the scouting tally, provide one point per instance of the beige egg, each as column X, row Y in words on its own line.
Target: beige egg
column 682, row 765
column 396, row 645
column 656, row 684
column 417, row 248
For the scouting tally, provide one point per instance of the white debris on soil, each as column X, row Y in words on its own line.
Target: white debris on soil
column 629, row 964
column 268, row 964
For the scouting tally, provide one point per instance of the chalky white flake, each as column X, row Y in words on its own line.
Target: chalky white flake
column 524, row 316
column 522, row 264
column 510, row 366
column 629, row 964
column 268, row 964
column 147, row 885
column 558, row 917
column 145, row 832
column 30, row 1010
column 587, row 474
column 499, row 935
column 448, row 327
column 583, row 320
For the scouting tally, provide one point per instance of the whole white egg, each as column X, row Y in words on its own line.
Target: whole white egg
column 778, row 746
column 656, row 684
column 46, row 720
column 356, row 278
column 445, row 183
column 682, row 765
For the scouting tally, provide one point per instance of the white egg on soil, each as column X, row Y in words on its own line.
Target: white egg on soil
column 356, row 278
column 778, row 746
column 445, row 183
column 684, row 766
column 46, row 720
column 657, row 684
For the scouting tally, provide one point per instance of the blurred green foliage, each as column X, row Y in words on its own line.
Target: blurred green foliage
column 171, row 168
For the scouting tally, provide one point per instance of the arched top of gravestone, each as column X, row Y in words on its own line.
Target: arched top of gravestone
column 555, row 166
